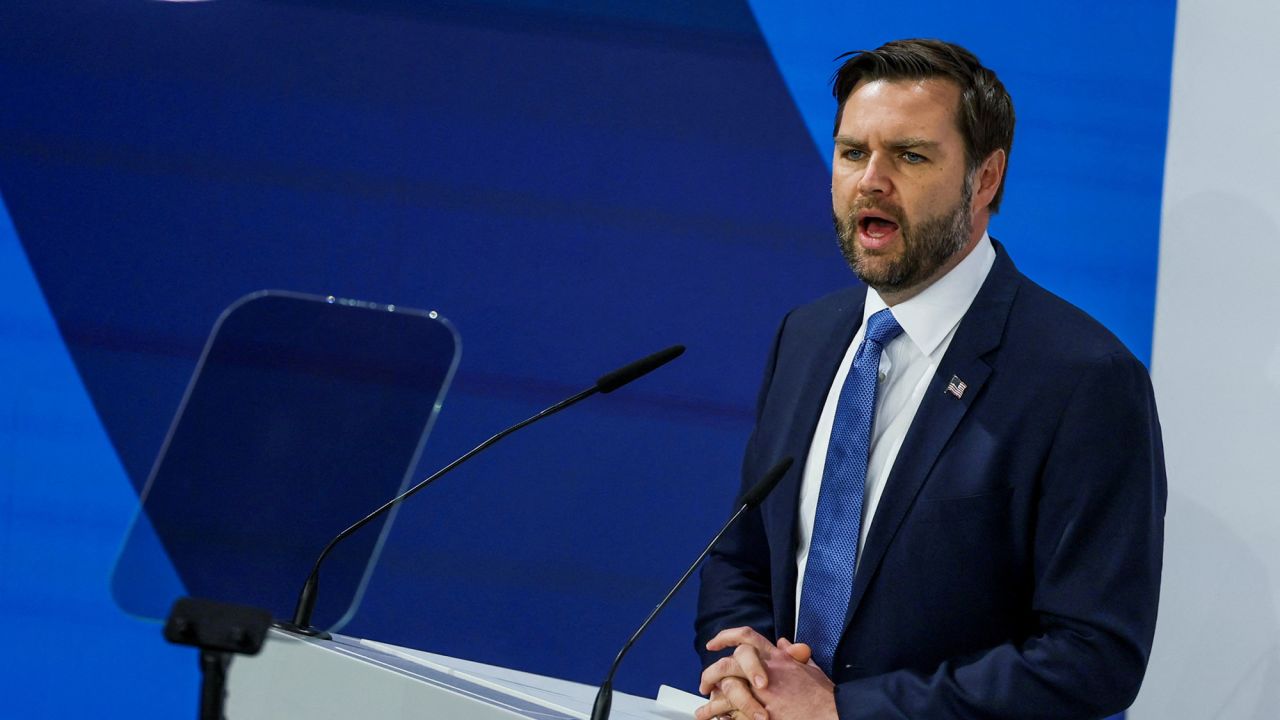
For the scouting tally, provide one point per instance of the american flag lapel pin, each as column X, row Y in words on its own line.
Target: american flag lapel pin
column 957, row 386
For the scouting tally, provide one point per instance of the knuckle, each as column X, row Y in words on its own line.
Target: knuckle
column 739, row 693
column 751, row 653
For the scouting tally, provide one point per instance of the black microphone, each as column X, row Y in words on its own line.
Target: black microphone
column 749, row 500
column 609, row 382
column 606, row 383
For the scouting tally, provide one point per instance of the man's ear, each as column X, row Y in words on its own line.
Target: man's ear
column 989, row 176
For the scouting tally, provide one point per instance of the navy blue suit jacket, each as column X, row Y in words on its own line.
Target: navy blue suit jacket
column 1012, row 569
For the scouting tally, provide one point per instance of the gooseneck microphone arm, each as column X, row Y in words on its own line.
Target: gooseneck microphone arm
column 749, row 500
column 307, row 599
column 606, row 383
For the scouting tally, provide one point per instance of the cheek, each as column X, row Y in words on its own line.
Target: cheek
column 844, row 188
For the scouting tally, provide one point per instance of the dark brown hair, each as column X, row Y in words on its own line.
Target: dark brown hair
column 985, row 115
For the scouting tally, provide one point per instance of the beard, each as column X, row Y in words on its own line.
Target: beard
column 925, row 246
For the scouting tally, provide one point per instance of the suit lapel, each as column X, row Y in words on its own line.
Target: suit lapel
column 940, row 412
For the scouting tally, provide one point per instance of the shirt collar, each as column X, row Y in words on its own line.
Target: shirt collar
column 930, row 316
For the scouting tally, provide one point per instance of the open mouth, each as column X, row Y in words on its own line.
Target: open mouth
column 875, row 226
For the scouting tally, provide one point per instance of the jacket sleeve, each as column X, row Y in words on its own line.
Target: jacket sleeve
column 1097, row 541
column 735, row 583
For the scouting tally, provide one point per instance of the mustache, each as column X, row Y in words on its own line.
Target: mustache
column 887, row 208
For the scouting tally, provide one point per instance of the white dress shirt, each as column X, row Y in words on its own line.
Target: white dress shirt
column 907, row 365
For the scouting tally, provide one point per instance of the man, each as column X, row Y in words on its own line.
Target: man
column 974, row 524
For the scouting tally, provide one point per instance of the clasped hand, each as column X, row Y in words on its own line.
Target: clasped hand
column 763, row 681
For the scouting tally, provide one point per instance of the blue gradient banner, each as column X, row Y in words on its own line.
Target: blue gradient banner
column 572, row 184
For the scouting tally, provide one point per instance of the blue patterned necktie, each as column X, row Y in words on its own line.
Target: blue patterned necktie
column 833, row 549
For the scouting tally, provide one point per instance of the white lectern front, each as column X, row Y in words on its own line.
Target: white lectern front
column 345, row 678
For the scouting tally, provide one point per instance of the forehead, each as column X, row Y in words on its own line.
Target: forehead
column 919, row 108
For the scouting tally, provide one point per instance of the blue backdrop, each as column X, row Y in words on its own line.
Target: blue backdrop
column 571, row 183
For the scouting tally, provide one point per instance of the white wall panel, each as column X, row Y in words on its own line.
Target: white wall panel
column 1216, row 367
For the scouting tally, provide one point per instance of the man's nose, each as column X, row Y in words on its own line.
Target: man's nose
column 877, row 177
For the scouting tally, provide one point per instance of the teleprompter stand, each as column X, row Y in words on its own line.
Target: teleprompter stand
column 220, row 631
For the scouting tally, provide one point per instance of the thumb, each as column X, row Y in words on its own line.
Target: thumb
column 800, row 652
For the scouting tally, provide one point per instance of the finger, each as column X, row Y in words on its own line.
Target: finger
column 752, row 666
column 800, row 652
column 808, row 660
column 717, row 671
column 738, row 636
column 739, row 695
column 719, row 706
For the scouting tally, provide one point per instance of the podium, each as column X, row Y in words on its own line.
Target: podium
column 345, row 677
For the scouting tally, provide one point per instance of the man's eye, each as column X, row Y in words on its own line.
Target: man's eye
column 852, row 154
column 913, row 158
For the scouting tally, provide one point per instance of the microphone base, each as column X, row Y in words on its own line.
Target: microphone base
column 308, row 631
column 604, row 701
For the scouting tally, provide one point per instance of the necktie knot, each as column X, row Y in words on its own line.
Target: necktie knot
column 882, row 327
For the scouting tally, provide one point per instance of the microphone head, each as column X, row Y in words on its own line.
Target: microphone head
column 761, row 490
column 609, row 382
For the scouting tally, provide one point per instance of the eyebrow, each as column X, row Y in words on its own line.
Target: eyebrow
column 911, row 142
column 906, row 143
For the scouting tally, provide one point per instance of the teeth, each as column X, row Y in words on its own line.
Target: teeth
column 877, row 227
